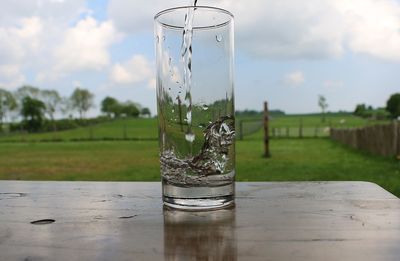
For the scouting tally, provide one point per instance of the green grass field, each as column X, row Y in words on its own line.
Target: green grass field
column 144, row 129
column 292, row 159
column 312, row 125
column 116, row 129
column 134, row 160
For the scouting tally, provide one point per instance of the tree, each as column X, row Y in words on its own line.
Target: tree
column 323, row 105
column 65, row 106
column 27, row 91
column 33, row 113
column 53, row 103
column 82, row 101
column 7, row 104
column 130, row 109
column 393, row 105
column 145, row 112
column 110, row 106
column 360, row 109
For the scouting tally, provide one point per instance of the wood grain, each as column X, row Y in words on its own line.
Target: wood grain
column 126, row 221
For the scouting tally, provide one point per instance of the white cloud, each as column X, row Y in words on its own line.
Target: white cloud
column 373, row 27
column 10, row 76
column 16, row 42
column 76, row 83
column 57, row 11
column 27, row 42
column 136, row 70
column 294, row 78
column 330, row 84
column 289, row 29
column 152, row 84
column 85, row 46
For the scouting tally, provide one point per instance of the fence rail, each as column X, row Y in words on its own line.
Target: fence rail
column 377, row 139
column 246, row 128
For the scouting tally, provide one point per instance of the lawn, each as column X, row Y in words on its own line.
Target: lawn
column 292, row 160
column 312, row 125
column 145, row 129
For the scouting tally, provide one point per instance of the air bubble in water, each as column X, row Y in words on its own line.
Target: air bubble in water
column 218, row 38
column 189, row 137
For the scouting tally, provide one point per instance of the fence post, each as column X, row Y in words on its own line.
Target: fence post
column 301, row 128
column 124, row 133
column 287, row 132
column 266, row 134
column 316, row 132
column 397, row 139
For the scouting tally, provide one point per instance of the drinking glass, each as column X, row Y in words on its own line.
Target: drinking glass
column 195, row 103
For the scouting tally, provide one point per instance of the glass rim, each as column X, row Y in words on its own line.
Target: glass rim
column 202, row 7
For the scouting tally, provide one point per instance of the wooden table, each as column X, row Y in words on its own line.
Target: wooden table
column 126, row 221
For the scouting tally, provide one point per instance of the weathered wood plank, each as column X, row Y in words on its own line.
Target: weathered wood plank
column 126, row 221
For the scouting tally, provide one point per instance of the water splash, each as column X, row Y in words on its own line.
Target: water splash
column 211, row 160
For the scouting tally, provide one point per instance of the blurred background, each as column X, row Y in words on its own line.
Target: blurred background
column 78, row 101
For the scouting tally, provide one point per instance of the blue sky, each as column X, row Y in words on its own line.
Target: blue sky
column 287, row 52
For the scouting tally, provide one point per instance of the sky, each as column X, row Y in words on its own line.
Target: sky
column 286, row 52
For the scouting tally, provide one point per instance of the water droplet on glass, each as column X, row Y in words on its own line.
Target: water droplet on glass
column 218, row 37
column 163, row 38
column 189, row 137
column 158, row 39
column 204, row 107
column 173, row 110
column 169, row 61
column 169, row 89
column 177, row 82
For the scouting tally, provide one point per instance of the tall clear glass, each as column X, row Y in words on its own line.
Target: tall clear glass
column 195, row 100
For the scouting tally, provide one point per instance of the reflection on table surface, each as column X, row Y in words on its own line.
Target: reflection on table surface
column 206, row 235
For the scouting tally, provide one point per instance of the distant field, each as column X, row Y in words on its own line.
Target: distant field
column 145, row 129
column 117, row 129
column 312, row 125
column 292, row 160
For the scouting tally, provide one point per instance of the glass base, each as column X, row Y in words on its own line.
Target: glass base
column 198, row 198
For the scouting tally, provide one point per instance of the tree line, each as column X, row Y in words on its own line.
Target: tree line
column 32, row 109
column 392, row 109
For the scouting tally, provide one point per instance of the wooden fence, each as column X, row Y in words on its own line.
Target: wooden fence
column 377, row 139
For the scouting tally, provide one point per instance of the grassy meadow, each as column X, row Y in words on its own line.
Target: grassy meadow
column 146, row 129
column 312, row 159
